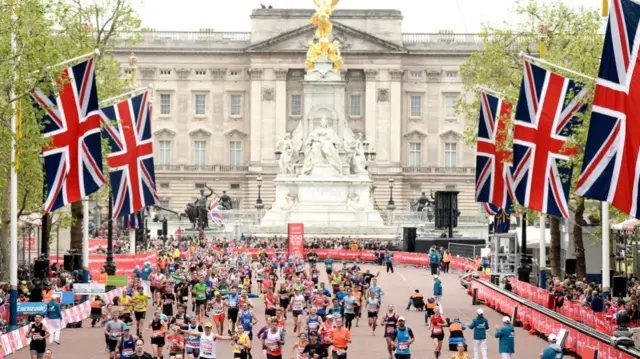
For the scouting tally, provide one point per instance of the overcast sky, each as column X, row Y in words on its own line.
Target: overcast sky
column 419, row 15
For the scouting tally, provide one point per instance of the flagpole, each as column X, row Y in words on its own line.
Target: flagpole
column 13, row 196
column 489, row 91
column 111, row 99
column 132, row 234
column 85, row 243
column 95, row 52
column 606, row 265
column 542, row 245
column 545, row 62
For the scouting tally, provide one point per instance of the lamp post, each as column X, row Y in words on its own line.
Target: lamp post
column 133, row 62
column 109, row 265
column 259, row 204
column 369, row 154
column 278, row 153
column 391, row 205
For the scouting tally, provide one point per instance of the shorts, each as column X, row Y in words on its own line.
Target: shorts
column 200, row 302
column 284, row 303
column 329, row 271
column 358, row 310
column 372, row 314
column 297, row 313
column 153, row 290
column 140, row 315
column 270, row 312
column 112, row 345
column 440, row 336
column 314, row 280
column 126, row 318
column 37, row 354
column 167, row 310
column 194, row 351
column 269, row 356
column 172, row 354
column 336, row 356
column 159, row 341
column 232, row 313
column 218, row 318
column 403, row 356
column 241, row 355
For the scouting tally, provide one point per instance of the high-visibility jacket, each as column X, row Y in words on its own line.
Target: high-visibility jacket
column 455, row 326
column 95, row 304
column 446, row 258
column 46, row 295
column 102, row 278
column 431, row 305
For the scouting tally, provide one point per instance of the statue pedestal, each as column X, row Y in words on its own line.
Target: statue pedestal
column 322, row 200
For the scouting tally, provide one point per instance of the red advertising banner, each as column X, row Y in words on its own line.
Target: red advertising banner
column 296, row 239
column 125, row 263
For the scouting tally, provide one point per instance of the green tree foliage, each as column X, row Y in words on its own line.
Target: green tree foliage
column 48, row 32
column 573, row 39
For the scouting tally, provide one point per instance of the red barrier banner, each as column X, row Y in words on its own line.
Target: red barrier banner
column 125, row 263
column 296, row 239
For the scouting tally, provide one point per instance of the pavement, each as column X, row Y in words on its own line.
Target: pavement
column 88, row 343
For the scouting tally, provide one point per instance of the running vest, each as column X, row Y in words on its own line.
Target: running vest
column 402, row 340
column 156, row 329
column 193, row 341
column 246, row 319
column 463, row 356
column 390, row 324
column 272, row 343
column 127, row 347
column 372, row 305
column 207, row 347
column 233, row 301
column 313, row 323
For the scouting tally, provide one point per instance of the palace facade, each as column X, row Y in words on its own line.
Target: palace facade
column 223, row 101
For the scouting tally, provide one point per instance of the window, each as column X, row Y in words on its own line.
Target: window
column 416, row 188
column 200, row 109
column 296, row 105
column 415, row 154
column 450, row 106
column 164, row 185
column 296, row 73
column 416, row 106
column 201, row 72
column 164, row 153
column 416, row 75
column 452, row 74
column 199, row 185
column 235, row 203
column 128, row 71
column 236, row 105
column 165, row 104
column 450, row 187
column 355, row 107
column 164, row 203
column 235, row 72
column 165, row 72
column 200, row 153
column 450, row 154
column 235, row 153
column 235, row 186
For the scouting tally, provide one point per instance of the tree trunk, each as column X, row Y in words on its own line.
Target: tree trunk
column 76, row 227
column 578, row 244
column 554, row 248
column 5, row 238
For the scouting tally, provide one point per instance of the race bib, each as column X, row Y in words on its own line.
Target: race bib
column 436, row 330
column 341, row 352
column 390, row 329
column 207, row 349
column 116, row 334
column 298, row 306
column 185, row 299
column 233, row 303
column 156, row 333
column 403, row 346
column 127, row 352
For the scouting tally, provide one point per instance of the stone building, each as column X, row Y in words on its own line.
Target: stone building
column 223, row 101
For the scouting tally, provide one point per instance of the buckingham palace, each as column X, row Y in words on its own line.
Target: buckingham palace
column 223, row 101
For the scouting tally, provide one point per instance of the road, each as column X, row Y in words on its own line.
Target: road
column 88, row 342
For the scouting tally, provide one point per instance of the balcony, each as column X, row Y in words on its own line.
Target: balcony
column 197, row 168
column 185, row 40
column 440, row 170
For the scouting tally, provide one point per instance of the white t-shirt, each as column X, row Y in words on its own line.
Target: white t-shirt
column 298, row 302
column 207, row 346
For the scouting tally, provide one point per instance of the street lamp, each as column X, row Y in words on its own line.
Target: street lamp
column 259, row 204
column 368, row 154
column 391, row 205
column 278, row 153
column 133, row 62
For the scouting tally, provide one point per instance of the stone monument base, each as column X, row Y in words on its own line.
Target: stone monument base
column 320, row 200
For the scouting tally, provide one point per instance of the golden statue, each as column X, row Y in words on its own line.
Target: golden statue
column 321, row 19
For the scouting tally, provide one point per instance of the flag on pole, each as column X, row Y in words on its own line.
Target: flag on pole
column 610, row 169
column 71, row 123
column 127, row 127
column 545, row 118
column 132, row 221
column 493, row 160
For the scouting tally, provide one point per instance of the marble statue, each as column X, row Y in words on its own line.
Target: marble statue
column 355, row 148
column 289, row 155
column 353, row 202
column 321, row 147
column 291, row 199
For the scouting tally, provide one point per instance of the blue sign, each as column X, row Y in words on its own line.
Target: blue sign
column 32, row 308
column 66, row 297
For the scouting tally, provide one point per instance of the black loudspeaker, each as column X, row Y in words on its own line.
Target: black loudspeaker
column 409, row 239
column 72, row 261
column 165, row 228
column 446, row 209
column 570, row 266
column 77, row 261
column 41, row 268
column 68, row 263
column 159, row 233
column 619, row 284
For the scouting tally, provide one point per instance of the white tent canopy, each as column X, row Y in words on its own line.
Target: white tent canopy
column 533, row 236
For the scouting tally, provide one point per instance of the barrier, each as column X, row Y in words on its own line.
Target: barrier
column 125, row 263
column 17, row 339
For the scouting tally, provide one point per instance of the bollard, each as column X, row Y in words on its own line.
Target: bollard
column 474, row 297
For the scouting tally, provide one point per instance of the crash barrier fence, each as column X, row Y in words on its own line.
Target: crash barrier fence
column 465, row 250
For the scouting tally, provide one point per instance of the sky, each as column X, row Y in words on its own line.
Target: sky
column 423, row 16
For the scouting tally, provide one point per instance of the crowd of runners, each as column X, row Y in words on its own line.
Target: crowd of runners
column 198, row 298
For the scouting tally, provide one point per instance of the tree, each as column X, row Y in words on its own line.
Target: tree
column 46, row 33
column 573, row 40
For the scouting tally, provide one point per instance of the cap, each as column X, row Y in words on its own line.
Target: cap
column 208, row 325
column 480, row 311
column 435, row 276
column 552, row 337
column 401, row 319
column 506, row 319
column 125, row 327
column 329, row 316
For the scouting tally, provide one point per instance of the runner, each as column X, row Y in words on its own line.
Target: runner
column 217, row 313
column 269, row 304
column 241, row 343
column 259, row 277
column 328, row 264
column 390, row 321
column 139, row 300
column 313, row 321
column 233, row 307
column 298, row 348
column 340, row 338
column 167, row 300
column 247, row 319
column 126, row 306
column 126, row 344
column 38, row 334
column 315, row 349
column 140, row 353
column 401, row 340
column 298, row 306
column 208, row 342
column 157, row 287
column 349, row 304
column 199, row 292
column 192, row 342
column 373, row 307
column 158, row 331
column 374, row 288
column 460, row 354
column 272, row 341
column 175, row 343
column 113, row 330
column 436, row 323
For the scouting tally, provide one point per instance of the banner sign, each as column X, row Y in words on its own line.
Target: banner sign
column 125, row 263
column 117, row 280
column 296, row 239
column 88, row 288
column 32, row 308
column 66, row 297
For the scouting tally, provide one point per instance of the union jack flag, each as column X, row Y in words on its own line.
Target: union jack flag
column 493, row 162
column 545, row 117
column 132, row 221
column 491, row 209
column 214, row 213
column 71, row 122
column 610, row 169
column 127, row 126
